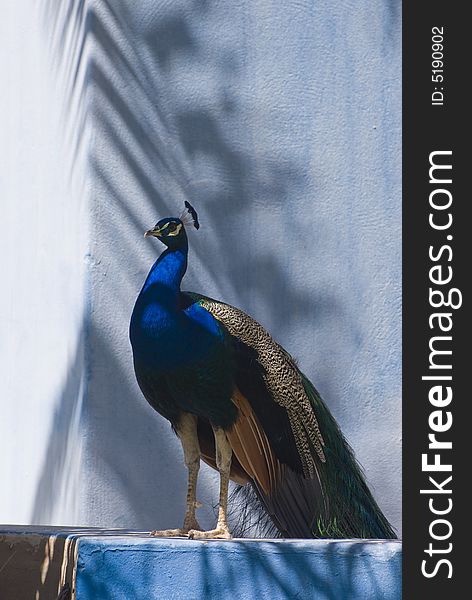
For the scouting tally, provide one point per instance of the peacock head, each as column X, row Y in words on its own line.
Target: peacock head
column 171, row 230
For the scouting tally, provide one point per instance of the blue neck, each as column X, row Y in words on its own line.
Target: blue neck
column 157, row 321
column 164, row 279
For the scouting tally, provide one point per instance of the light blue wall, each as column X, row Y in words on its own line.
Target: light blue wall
column 280, row 122
column 187, row 570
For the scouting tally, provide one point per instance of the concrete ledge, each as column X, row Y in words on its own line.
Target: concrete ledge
column 39, row 563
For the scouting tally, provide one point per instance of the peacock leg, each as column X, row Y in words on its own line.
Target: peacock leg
column 223, row 462
column 187, row 431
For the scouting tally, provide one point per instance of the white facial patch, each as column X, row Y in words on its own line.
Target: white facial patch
column 176, row 230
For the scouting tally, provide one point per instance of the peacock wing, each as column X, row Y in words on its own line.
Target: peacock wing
column 270, row 380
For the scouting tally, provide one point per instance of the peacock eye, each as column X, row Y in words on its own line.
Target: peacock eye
column 171, row 227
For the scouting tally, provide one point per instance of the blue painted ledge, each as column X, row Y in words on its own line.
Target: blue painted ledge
column 92, row 564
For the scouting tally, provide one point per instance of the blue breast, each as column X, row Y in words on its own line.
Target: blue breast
column 163, row 336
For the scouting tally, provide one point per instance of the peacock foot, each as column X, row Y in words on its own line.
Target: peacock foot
column 169, row 533
column 221, row 533
column 190, row 524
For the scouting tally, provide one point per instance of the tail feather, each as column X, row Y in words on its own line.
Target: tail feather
column 351, row 510
column 335, row 504
column 247, row 515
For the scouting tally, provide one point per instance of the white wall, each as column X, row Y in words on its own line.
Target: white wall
column 283, row 129
column 44, row 216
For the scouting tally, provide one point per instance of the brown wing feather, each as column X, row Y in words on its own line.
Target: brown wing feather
column 287, row 497
column 206, row 440
column 253, row 458
column 251, row 446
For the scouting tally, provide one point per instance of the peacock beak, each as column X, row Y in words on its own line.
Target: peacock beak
column 156, row 232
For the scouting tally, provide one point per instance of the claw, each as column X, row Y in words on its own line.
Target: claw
column 163, row 533
column 212, row 534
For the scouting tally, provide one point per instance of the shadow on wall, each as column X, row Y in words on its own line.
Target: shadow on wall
column 148, row 150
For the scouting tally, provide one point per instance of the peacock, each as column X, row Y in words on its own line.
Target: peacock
column 238, row 401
